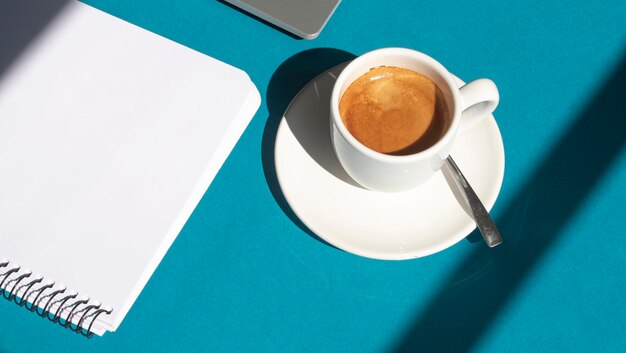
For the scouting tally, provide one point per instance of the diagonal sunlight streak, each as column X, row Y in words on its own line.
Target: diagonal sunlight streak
column 551, row 196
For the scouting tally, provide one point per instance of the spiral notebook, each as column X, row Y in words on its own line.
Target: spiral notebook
column 109, row 137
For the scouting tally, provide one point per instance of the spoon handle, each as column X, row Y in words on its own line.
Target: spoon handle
column 485, row 224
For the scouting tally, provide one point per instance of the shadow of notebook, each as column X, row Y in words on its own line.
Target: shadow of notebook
column 109, row 137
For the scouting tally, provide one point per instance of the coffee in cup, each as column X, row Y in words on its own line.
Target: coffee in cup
column 400, row 153
column 395, row 111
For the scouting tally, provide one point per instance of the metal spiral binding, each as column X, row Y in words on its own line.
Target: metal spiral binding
column 42, row 298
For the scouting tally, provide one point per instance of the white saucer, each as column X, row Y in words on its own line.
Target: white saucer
column 372, row 224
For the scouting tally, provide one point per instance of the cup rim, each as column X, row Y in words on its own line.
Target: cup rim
column 427, row 153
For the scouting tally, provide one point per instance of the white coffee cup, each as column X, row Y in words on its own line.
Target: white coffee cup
column 390, row 173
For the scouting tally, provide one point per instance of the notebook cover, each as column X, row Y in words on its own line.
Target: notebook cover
column 109, row 137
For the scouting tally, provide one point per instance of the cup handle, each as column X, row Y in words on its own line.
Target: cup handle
column 479, row 99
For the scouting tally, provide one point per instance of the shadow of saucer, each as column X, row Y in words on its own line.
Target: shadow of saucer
column 288, row 79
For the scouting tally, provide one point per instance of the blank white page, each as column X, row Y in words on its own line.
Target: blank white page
column 109, row 137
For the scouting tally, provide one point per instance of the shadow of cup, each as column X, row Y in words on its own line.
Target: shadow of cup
column 313, row 134
column 310, row 123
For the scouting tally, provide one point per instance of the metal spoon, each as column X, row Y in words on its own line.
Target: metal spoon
column 485, row 224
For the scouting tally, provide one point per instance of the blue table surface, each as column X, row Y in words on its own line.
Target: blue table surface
column 242, row 276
